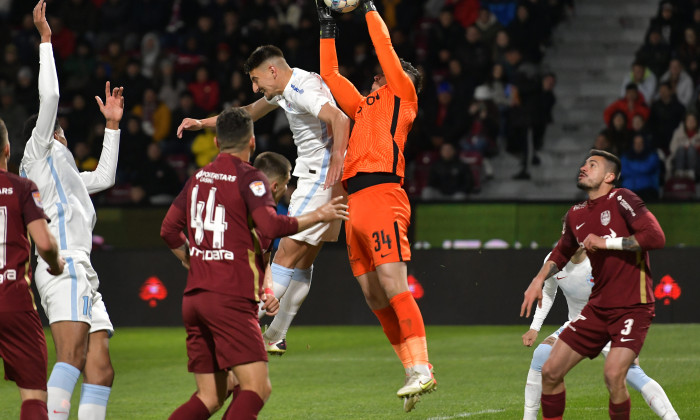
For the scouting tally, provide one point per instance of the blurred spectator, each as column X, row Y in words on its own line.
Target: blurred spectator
column 14, row 116
column 483, row 127
column 449, row 177
column 78, row 116
column 116, row 61
column 488, row 25
column 62, row 38
column 114, row 15
column 26, row 93
column 668, row 23
column 186, row 108
column 157, row 180
column 643, row 78
column 135, row 82
column 602, row 142
column 132, row 149
column 83, row 158
column 630, row 104
column 689, row 53
column 205, row 90
column 447, row 119
column 498, row 51
column 155, row 115
column 446, row 34
column 665, row 115
column 79, row 67
column 542, row 115
column 641, row 167
column 169, row 86
column 474, row 56
column 683, row 158
column 681, row 82
column 150, row 54
column 79, row 15
column 655, row 53
column 224, row 64
column 10, row 64
column 203, row 147
column 618, row 133
column 525, row 34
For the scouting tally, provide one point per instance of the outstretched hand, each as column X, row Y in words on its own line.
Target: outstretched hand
column 113, row 107
column 335, row 170
column 42, row 25
column 189, row 124
column 532, row 294
column 336, row 209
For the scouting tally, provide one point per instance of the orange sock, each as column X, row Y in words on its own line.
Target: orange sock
column 392, row 330
column 412, row 327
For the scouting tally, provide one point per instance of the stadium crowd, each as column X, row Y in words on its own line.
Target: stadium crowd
column 179, row 59
column 653, row 127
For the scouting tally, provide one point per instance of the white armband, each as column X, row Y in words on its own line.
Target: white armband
column 613, row 243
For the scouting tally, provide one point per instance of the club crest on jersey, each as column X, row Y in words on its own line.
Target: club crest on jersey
column 605, row 218
column 37, row 199
column 258, row 188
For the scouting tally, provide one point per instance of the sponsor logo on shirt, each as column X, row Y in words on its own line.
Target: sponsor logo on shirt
column 625, row 205
column 211, row 254
column 37, row 199
column 296, row 89
column 209, row 177
column 258, row 188
column 8, row 275
column 605, row 218
column 6, row 191
column 579, row 206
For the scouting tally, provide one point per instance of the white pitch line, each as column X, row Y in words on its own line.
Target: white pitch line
column 463, row 415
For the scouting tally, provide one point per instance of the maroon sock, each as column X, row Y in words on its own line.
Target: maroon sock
column 553, row 405
column 620, row 411
column 246, row 406
column 194, row 409
column 233, row 394
column 33, row 410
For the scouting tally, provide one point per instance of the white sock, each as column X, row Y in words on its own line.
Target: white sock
column 657, row 400
column 422, row 369
column 533, row 393
column 93, row 402
column 60, row 388
column 289, row 305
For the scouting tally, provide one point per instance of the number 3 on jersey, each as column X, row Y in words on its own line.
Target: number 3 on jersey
column 213, row 221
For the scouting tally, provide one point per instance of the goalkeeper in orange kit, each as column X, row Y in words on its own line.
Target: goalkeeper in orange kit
column 380, row 213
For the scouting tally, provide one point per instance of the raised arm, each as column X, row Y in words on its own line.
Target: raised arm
column 39, row 144
column 104, row 175
column 343, row 90
column 397, row 79
column 340, row 123
column 257, row 110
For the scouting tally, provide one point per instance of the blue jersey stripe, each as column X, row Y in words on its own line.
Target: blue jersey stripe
column 324, row 171
column 63, row 200
column 73, row 289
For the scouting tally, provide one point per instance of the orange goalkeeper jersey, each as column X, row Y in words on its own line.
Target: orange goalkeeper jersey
column 384, row 118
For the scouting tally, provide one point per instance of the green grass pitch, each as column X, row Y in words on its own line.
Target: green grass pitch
column 352, row 373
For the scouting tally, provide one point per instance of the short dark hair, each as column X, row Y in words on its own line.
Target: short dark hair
column 414, row 73
column 610, row 158
column 3, row 134
column 29, row 125
column 273, row 165
column 260, row 55
column 234, row 127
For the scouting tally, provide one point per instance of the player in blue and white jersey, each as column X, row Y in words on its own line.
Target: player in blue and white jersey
column 320, row 131
column 77, row 315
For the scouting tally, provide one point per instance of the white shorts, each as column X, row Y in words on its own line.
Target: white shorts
column 73, row 295
column 309, row 196
column 556, row 333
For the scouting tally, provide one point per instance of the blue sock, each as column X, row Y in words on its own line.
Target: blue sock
column 60, row 388
column 539, row 356
column 281, row 276
column 636, row 377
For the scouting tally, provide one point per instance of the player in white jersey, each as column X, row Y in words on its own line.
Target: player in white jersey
column 576, row 281
column 320, row 131
column 79, row 322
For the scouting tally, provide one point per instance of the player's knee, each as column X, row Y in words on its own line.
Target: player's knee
column 614, row 377
column 550, row 375
column 539, row 356
column 266, row 390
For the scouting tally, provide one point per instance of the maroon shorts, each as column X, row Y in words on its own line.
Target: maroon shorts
column 23, row 349
column 588, row 333
column 222, row 331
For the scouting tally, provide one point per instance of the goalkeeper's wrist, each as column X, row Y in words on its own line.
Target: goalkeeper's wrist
column 269, row 292
column 368, row 6
column 613, row 243
column 329, row 30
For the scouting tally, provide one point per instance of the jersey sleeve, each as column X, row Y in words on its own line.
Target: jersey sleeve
column 104, row 175
column 255, row 191
column 32, row 207
column 344, row 92
column 397, row 79
column 549, row 293
column 171, row 230
column 566, row 247
column 313, row 99
column 642, row 222
column 39, row 144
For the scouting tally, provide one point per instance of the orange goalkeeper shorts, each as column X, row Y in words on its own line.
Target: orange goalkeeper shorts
column 376, row 231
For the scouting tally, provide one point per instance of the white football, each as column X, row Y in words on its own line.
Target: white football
column 342, row 6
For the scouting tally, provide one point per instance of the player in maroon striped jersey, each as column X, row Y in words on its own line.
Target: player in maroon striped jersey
column 617, row 231
column 223, row 207
column 22, row 341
